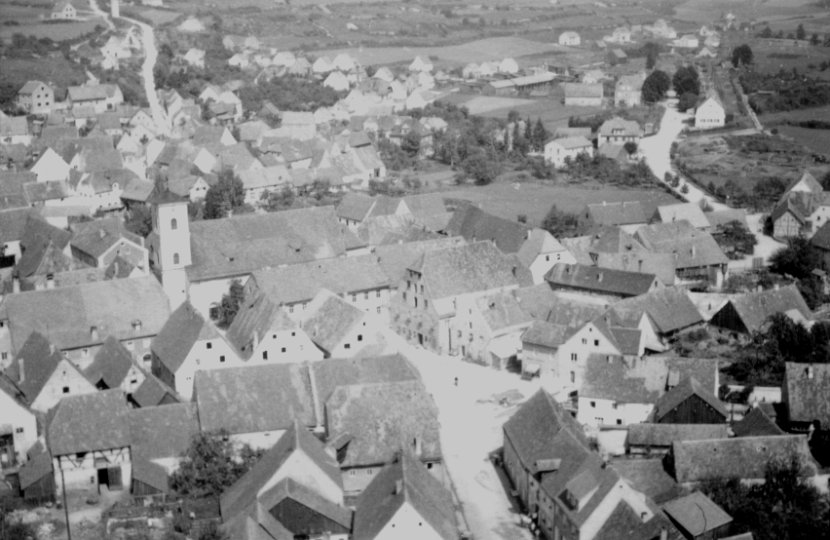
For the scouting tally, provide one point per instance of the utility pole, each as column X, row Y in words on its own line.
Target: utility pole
column 65, row 504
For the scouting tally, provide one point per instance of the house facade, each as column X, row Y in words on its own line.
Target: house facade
column 710, row 114
column 559, row 152
column 36, row 97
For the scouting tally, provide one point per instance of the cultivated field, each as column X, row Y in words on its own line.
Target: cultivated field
column 798, row 115
column 157, row 17
column 703, row 11
column 817, row 140
column 58, row 71
column 535, row 200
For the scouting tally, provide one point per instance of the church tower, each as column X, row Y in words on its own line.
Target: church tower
column 115, row 10
column 171, row 224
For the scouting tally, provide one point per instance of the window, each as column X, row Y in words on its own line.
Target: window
column 619, row 421
column 584, row 341
column 293, row 334
column 596, row 343
column 174, row 224
column 290, row 309
column 175, row 258
column 265, row 355
column 426, row 303
column 347, row 346
column 547, row 258
column 354, row 298
column 366, row 295
column 65, row 390
column 573, row 376
column 573, row 357
column 5, row 355
column 360, row 337
column 18, row 430
column 378, row 309
column 209, row 345
column 282, row 350
column 378, row 294
column 222, row 359
column 416, row 301
column 593, row 404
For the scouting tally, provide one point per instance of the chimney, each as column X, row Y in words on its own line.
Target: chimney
column 22, row 370
column 398, row 487
column 136, row 325
column 15, row 284
column 93, row 333
column 50, row 281
column 416, row 442
column 640, row 265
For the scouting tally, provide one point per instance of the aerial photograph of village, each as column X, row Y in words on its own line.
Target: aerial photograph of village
column 414, row 270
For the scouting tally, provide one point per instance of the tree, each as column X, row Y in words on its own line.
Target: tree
column 210, row 465
column 652, row 51
column 561, row 224
column 411, row 143
column 814, row 40
column 230, row 303
column 630, row 148
column 480, row 168
column 766, row 32
column 783, row 507
column 742, row 55
column 655, row 86
column 685, row 80
column 140, row 220
column 798, row 259
column 687, row 101
column 825, row 181
column 800, row 33
column 227, row 195
column 540, row 135
column 212, row 532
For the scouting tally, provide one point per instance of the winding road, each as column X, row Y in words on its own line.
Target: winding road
column 148, row 41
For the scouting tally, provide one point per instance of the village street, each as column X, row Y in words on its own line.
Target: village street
column 656, row 150
column 471, row 428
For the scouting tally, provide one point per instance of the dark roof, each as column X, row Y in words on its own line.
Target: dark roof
column 600, row 280
column 755, row 308
column 663, row 435
column 330, row 319
column 288, row 488
column 739, row 457
column 649, row 477
column 537, row 424
column 625, row 523
column 382, row 419
column 474, row 224
column 152, row 392
column 696, row 514
column 239, row 245
column 687, row 388
column 87, row 422
column 181, row 331
column 254, row 398
column 806, row 392
column 111, row 364
column 254, row 320
column 149, row 473
column 34, row 364
column 38, row 466
column 691, row 247
column 669, row 308
column 37, row 237
column 162, row 432
column 405, row 481
column 297, row 438
column 13, row 223
column 756, row 423
column 616, row 213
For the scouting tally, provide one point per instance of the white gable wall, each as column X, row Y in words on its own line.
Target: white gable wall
column 304, row 471
column 66, row 380
column 408, row 523
column 205, row 355
column 23, row 424
column 573, row 354
column 285, row 346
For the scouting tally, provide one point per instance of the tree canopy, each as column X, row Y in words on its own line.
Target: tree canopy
column 685, row 80
column 742, row 55
column 226, row 196
column 210, row 465
column 655, row 86
column 230, row 303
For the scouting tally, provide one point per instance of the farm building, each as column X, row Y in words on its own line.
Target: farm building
column 583, row 95
column 516, row 85
column 558, row 151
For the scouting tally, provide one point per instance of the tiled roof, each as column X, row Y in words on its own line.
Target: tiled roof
column 396, row 258
column 339, row 517
column 301, row 282
column 669, row 308
column 38, row 466
column 756, row 423
column 501, row 311
column 649, row 477
column 546, row 334
column 739, row 457
column 570, row 143
column 67, row 315
column 297, row 438
column 150, row 473
column 34, row 364
column 329, row 320
column 539, row 242
column 88, row 422
column 663, row 435
column 96, row 237
column 13, row 223
column 613, row 125
column 474, row 224
column 162, row 432
column 253, row 399
column 600, row 280
column 625, row 523
column 686, row 388
column 464, row 269
column 807, row 392
column 255, row 319
column 696, row 514
column 690, row 212
column 110, row 365
column 37, row 238
column 580, row 90
column 755, row 308
column 152, row 392
column 241, row 244
column 382, row 499
column 175, row 340
column 691, row 248
column 382, row 419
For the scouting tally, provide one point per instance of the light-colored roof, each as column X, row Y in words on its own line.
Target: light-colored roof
column 690, row 212
column 696, row 514
column 474, row 224
column 181, row 331
column 256, row 318
column 67, row 315
column 669, row 308
column 691, row 247
column 616, row 213
column 329, row 320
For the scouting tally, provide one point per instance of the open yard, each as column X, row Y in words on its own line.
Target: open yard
column 535, row 200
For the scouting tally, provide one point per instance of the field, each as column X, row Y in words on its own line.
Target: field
column 158, row 17
column 535, row 200
column 703, row 11
column 55, row 31
column 817, row 140
column 56, row 70
column 482, row 50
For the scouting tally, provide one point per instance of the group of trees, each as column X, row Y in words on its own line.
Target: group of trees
column 800, row 33
column 798, row 260
column 609, row 171
column 532, row 138
column 289, row 94
column 562, row 224
column 742, row 55
column 229, row 305
column 783, row 91
column 211, row 465
column 784, row 507
column 225, row 197
column 685, row 81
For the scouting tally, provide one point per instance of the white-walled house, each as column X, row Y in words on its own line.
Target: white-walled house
column 569, row 39
column 187, row 344
column 559, row 151
column 540, row 252
column 20, row 423
column 338, row 328
column 50, row 166
column 263, row 333
column 710, row 114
